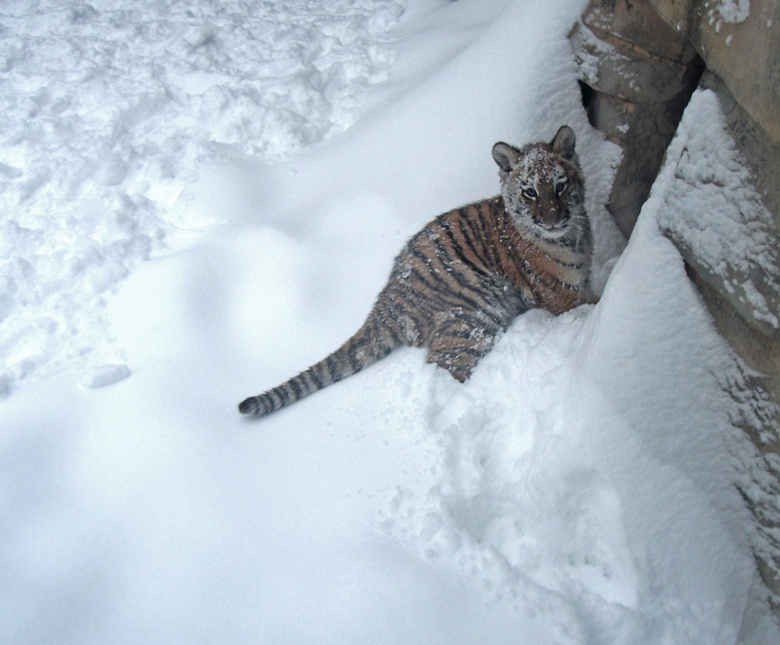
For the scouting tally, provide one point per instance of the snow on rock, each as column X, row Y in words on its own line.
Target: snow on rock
column 729, row 11
column 593, row 53
column 711, row 207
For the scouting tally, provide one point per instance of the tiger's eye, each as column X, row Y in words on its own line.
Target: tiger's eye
column 530, row 193
column 560, row 187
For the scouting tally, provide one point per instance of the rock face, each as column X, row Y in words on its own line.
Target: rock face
column 637, row 76
column 640, row 62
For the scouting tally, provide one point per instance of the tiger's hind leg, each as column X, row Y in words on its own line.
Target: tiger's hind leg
column 459, row 342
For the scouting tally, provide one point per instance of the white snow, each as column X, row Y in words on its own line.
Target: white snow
column 710, row 206
column 173, row 241
column 593, row 53
column 109, row 110
column 105, row 375
column 728, row 11
column 731, row 11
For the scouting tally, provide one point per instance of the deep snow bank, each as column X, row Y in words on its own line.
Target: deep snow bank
column 578, row 489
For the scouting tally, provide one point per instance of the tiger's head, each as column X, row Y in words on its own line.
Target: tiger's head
column 542, row 184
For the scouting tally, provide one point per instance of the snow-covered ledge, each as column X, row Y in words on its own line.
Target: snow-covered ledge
column 717, row 180
column 716, row 216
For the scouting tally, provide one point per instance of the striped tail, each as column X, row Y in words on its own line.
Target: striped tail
column 365, row 348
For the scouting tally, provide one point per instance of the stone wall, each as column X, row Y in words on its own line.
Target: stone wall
column 640, row 61
column 637, row 76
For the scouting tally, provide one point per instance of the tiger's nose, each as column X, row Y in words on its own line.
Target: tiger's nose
column 553, row 218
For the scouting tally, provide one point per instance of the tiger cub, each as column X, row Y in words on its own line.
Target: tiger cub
column 463, row 278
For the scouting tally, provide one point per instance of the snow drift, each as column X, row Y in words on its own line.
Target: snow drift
column 578, row 489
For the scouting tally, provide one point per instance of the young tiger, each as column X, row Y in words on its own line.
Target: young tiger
column 463, row 278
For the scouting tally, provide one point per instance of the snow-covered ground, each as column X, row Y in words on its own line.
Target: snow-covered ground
column 199, row 200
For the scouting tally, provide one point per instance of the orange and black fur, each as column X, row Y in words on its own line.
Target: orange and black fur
column 463, row 278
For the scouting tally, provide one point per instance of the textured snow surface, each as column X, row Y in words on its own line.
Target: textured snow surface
column 108, row 109
column 730, row 11
column 710, row 205
column 579, row 489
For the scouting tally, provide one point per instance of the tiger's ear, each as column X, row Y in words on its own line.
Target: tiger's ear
column 505, row 155
column 563, row 142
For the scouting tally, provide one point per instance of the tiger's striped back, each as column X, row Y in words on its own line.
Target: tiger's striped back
column 462, row 279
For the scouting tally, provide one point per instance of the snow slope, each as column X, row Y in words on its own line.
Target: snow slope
column 578, row 489
column 108, row 111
